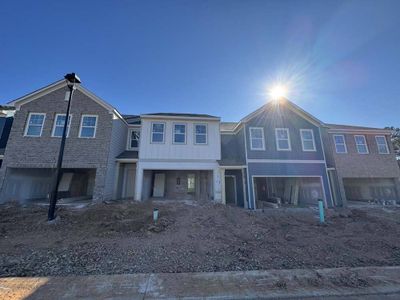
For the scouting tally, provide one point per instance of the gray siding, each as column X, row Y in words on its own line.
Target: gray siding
column 119, row 135
column 41, row 152
column 282, row 117
column 233, row 151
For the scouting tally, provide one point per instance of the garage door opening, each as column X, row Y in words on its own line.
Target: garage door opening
column 370, row 189
column 287, row 191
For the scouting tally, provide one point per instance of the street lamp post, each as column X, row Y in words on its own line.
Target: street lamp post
column 72, row 80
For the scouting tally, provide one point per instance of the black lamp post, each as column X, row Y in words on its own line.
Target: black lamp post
column 72, row 80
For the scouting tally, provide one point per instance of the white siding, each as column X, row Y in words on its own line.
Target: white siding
column 168, row 150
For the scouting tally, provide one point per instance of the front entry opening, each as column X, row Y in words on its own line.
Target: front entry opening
column 230, row 190
column 287, row 191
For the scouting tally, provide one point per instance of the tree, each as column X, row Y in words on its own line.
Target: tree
column 395, row 137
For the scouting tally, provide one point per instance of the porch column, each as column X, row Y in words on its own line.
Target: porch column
column 138, row 183
column 217, row 185
column 223, row 186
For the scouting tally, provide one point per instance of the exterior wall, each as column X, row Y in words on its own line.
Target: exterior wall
column 42, row 152
column 119, row 135
column 355, row 165
column 233, row 149
column 283, row 118
column 289, row 170
column 168, row 150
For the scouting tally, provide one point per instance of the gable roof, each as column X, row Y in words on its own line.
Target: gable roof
column 283, row 101
column 132, row 119
column 17, row 103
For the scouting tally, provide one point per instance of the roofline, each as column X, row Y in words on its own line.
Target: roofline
column 366, row 131
column 179, row 117
column 17, row 103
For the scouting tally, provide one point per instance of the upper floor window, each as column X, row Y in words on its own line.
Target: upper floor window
column 134, row 136
column 58, row 127
column 88, row 126
column 257, row 138
column 361, row 144
column 157, row 132
column 307, row 139
column 200, row 134
column 340, row 144
column 179, row 134
column 282, row 139
column 34, row 126
column 382, row 144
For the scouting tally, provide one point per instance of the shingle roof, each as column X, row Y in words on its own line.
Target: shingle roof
column 182, row 115
column 227, row 126
column 128, row 154
column 351, row 127
column 132, row 119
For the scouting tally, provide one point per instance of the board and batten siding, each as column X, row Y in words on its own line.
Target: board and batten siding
column 187, row 151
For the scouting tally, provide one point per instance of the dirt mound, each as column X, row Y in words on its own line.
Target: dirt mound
column 122, row 238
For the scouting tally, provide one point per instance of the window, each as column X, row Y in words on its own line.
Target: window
column 200, row 134
column 58, row 127
column 257, row 138
column 34, row 126
column 307, row 139
column 340, row 144
column 179, row 134
column 382, row 144
column 191, row 183
column 134, row 136
column 157, row 132
column 88, row 126
column 282, row 139
column 361, row 144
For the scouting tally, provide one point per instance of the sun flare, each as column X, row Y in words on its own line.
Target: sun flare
column 278, row 91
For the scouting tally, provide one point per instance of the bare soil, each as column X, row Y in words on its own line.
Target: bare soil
column 121, row 238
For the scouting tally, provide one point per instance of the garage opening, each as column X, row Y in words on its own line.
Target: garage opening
column 370, row 189
column 34, row 184
column 287, row 191
column 178, row 185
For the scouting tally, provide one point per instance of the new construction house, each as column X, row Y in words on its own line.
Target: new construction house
column 277, row 155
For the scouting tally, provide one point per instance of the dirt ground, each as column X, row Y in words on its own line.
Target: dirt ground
column 121, row 238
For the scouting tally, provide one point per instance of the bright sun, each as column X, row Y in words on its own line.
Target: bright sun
column 278, row 91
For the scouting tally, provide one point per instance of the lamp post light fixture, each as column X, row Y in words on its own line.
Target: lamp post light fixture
column 72, row 81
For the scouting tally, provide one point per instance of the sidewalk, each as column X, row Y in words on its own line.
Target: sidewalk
column 355, row 283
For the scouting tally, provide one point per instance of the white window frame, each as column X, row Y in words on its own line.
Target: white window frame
column 27, row 124
column 54, row 125
column 277, row 139
column 314, row 149
column 195, row 134
column 173, row 133
column 386, row 144
column 344, row 143
column 163, row 133
column 129, row 139
column 95, row 127
column 365, row 140
column 262, row 138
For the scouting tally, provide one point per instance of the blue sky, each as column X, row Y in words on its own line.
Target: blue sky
column 341, row 59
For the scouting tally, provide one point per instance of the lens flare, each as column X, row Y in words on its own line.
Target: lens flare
column 278, row 91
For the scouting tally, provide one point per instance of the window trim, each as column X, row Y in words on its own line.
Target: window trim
column 129, row 139
column 386, row 144
column 365, row 140
column 95, row 127
column 173, row 133
column 288, row 139
column 344, row 143
column 54, row 125
column 251, row 137
column 151, row 132
column 195, row 134
column 27, row 124
column 314, row 149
